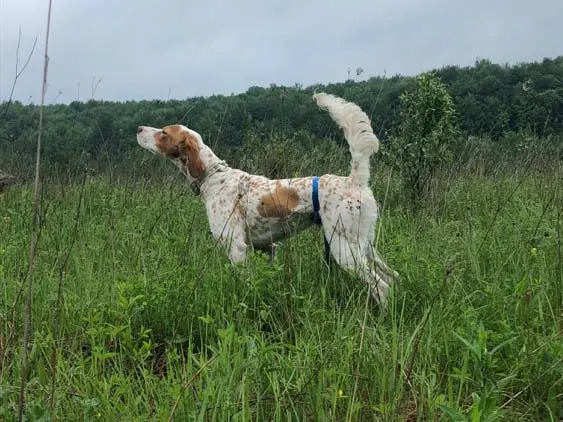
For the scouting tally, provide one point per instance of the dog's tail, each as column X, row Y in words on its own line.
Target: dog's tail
column 357, row 131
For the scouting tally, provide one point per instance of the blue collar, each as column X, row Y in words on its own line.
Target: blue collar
column 316, row 206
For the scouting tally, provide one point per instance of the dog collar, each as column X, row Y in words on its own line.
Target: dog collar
column 316, row 206
column 217, row 167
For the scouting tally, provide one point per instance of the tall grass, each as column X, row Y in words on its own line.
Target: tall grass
column 154, row 322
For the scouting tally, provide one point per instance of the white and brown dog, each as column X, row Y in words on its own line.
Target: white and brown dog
column 247, row 210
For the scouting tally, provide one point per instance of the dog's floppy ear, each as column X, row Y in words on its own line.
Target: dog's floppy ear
column 189, row 152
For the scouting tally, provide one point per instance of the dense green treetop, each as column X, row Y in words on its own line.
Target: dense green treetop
column 491, row 101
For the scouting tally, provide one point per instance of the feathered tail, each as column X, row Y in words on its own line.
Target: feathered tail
column 357, row 131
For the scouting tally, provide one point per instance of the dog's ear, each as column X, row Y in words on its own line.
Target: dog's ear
column 190, row 153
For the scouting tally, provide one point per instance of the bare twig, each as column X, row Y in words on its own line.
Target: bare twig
column 34, row 228
column 19, row 71
column 94, row 86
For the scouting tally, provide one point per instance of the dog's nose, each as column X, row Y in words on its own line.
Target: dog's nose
column 140, row 129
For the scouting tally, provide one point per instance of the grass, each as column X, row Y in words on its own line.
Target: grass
column 151, row 321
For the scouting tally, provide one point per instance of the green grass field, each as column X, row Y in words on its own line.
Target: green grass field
column 138, row 316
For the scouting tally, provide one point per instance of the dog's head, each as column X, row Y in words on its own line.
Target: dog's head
column 181, row 145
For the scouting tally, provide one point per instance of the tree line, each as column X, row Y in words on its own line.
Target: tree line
column 492, row 101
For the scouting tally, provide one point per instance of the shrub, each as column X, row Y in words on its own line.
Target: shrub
column 426, row 136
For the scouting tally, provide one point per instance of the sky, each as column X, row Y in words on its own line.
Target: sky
column 158, row 49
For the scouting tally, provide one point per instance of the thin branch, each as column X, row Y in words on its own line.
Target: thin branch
column 94, row 86
column 36, row 224
column 18, row 72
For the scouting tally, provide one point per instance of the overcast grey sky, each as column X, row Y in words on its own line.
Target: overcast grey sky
column 147, row 49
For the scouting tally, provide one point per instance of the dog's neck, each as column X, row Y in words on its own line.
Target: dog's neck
column 212, row 164
column 208, row 157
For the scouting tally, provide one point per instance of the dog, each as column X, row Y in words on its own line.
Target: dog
column 251, row 211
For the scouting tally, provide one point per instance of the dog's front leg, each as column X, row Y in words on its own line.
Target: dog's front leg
column 235, row 244
column 237, row 251
column 229, row 231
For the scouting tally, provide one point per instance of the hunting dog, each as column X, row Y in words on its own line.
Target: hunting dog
column 246, row 210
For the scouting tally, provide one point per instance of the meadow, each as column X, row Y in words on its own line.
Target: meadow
column 137, row 315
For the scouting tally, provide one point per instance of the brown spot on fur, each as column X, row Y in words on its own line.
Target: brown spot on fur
column 168, row 141
column 191, row 148
column 175, row 142
column 279, row 203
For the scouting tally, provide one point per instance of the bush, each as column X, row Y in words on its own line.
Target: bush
column 426, row 136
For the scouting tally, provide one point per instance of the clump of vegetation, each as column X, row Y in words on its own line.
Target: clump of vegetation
column 427, row 135
column 155, row 322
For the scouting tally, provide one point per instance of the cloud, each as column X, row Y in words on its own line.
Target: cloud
column 147, row 49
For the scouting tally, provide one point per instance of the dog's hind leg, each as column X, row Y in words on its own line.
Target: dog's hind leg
column 349, row 255
column 349, row 237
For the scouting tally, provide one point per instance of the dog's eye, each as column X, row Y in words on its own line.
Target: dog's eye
column 163, row 132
